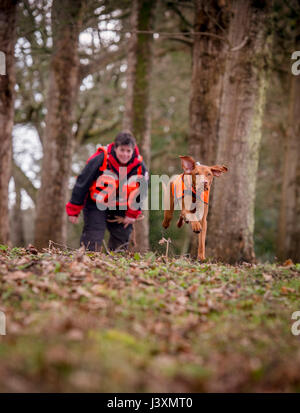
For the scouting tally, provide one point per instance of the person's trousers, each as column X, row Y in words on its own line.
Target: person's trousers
column 95, row 224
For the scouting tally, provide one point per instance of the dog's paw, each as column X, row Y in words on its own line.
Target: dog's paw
column 196, row 227
column 166, row 224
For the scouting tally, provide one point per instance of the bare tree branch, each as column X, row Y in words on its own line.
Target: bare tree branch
column 24, row 182
column 100, row 61
column 188, row 42
column 100, row 132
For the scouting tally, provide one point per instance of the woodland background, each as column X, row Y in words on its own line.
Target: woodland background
column 207, row 78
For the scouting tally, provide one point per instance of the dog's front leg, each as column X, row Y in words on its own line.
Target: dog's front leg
column 180, row 221
column 201, row 241
column 196, row 226
column 189, row 213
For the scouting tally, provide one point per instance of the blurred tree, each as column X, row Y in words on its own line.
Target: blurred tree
column 209, row 52
column 98, row 107
column 208, row 63
column 243, row 95
column 137, row 102
column 58, row 145
column 285, row 20
column 289, row 218
column 17, row 226
column 7, row 94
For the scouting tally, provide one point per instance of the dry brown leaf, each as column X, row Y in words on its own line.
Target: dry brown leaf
column 203, row 310
column 288, row 263
column 98, row 289
column 83, row 292
column 74, row 334
column 16, row 275
column 97, row 303
column 267, row 295
column 287, row 290
column 22, row 261
column 147, row 282
column 267, row 277
column 182, row 299
column 210, row 304
column 32, row 249
column 192, row 289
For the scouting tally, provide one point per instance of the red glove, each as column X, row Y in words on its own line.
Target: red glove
column 73, row 210
column 131, row 213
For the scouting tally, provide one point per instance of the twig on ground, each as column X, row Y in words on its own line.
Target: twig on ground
column 163, row 241
column 105, row 247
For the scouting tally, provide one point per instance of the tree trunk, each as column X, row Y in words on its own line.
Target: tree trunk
column 62, row 93
column 232, row 221
column 17, row 227
column 208, row 59
column 137, row 108
column 7, row 84
column 289, row 221
column 207, row 76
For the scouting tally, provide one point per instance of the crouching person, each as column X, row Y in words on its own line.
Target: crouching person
column 109, row 187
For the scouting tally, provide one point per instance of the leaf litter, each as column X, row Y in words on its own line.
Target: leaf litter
column 132, row 323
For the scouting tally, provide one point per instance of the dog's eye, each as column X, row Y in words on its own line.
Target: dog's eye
column 209, row 174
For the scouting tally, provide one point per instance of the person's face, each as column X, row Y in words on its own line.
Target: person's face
column 124, row 153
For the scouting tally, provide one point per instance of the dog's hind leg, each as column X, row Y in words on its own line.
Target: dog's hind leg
column 180, row 222
column 169, row 205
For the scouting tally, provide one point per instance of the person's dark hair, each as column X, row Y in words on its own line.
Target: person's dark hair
column 125, row 138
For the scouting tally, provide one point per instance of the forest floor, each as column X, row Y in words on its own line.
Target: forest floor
column 92, row 322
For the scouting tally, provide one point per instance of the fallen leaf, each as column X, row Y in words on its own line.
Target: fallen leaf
column 17, row 275
column 288, row 263
column 182, row 299
column 267, row 277
column 83, row 292
column 74, row 334
column 192, row 289
column 32, row 249
column 98, row 289
column 287, row 290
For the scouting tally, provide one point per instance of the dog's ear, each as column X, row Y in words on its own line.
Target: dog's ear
column 187, row 163
column 217, row 170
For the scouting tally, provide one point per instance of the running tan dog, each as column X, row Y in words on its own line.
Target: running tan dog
column 194, row 194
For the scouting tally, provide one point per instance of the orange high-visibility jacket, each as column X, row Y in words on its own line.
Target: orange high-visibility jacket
column 109, row 185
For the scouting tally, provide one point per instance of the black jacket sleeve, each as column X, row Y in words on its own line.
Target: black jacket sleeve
column 89, row 174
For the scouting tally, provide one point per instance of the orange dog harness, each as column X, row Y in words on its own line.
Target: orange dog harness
column 179, row 189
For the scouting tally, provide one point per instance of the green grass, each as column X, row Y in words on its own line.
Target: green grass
column 141, row 323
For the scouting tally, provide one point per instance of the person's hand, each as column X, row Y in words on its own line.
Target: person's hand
column 73, row 219
column 127, row 221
